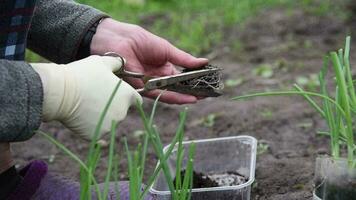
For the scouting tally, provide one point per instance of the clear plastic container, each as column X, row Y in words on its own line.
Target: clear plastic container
column 334, row 180
column 217, row 155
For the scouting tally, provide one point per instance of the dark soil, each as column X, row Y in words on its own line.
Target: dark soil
column 337, row 192
column 292, row 43
column 201, row 180
column 340, row 185
column 209, row 85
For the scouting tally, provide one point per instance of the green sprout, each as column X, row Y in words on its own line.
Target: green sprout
column 136, row 159
column 180, row 191
column 264, row 71
column 336, row 110
column 87, row 169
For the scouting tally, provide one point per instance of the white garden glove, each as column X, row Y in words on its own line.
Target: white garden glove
column 76, row 93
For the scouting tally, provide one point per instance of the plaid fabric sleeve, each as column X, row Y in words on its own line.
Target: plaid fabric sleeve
column 58, row 27
column 15, row 19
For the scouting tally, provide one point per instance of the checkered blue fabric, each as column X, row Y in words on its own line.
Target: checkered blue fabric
column 15, row 20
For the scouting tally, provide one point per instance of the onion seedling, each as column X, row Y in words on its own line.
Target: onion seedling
column 338, row 109
column 87, row 169
column 181, row 190
column 136, row 160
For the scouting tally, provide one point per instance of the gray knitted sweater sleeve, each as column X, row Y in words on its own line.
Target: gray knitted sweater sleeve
column 58, row 27
column 20, row 101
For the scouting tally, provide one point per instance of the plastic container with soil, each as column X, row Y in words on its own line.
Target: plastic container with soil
column 334, row 180
column 224, row 168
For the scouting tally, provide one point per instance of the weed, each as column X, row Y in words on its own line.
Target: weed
column 264, row 71
column 299, row 186
column 233, row 82
column 310, row 82
column 266, row 113
column 209, row 120
column 262, row 148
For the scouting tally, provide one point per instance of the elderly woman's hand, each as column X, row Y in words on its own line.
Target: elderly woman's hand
column 144, row 52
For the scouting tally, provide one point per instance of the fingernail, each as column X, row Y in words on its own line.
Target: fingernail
column 205, row 59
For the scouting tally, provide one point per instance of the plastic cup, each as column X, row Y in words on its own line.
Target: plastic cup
column 219, row 155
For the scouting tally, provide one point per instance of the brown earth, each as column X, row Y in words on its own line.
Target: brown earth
column 293, row 43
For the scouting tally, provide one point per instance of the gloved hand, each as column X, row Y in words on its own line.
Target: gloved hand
column 76, row 93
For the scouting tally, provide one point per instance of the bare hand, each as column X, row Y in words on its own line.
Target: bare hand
column 145, row 53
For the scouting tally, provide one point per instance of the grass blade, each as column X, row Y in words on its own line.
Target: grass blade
column 146, row 137
column 130, row 170
column 281, row 93
column 94, row 151
column 116, row 177
column 341, row 82
column 328, row 109
column 310, row 100
column 111, row 159
column 158, row 148
column 71, row 155
column 348, row 73
column 188, row 176
column 168, row 153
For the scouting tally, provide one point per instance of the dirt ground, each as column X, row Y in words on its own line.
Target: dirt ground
column 293, row 43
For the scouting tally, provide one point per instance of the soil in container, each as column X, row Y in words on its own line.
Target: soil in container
column 201, row 180
column 337, row 192
column 334, row 179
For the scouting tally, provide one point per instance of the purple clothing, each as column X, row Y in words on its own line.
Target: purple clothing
column 37, row 184
column 32, row 175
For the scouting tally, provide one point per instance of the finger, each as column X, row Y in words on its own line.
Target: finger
column 181, row 58
column 112, row 63
column 174, row 70
column 171, row 97
column 135, row 96
column 134, row 82
column 165, row 70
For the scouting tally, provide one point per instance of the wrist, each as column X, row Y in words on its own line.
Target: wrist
column 53, row 84
column 96, row 44
column 104, row 33
column 85, row 46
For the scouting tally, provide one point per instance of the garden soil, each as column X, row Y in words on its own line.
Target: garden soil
column 292, row 44
column 213, row 179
